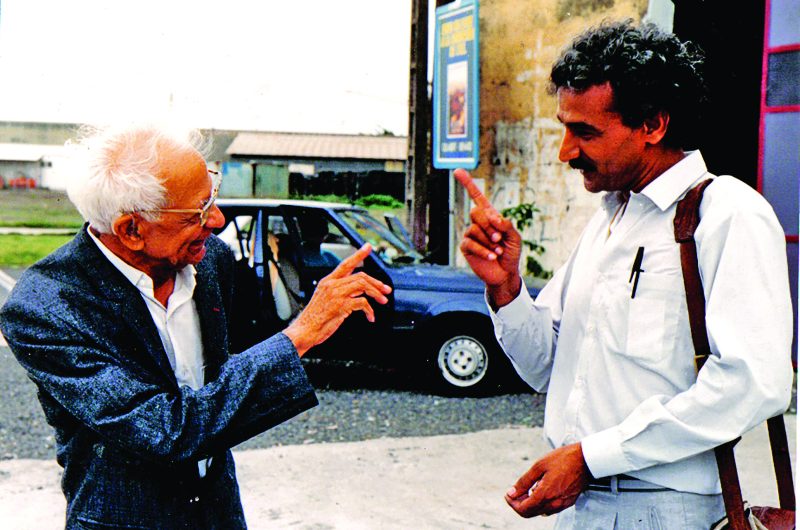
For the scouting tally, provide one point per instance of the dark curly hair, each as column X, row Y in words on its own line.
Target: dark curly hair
column 649, row 71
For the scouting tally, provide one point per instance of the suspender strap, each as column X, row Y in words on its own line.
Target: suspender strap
column 687, row 218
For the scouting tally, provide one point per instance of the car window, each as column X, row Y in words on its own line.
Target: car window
column 276, row 262
column 322, row 244
column 390, row 248
column 239, row 235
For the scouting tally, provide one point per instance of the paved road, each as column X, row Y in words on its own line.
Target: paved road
column 452, row 482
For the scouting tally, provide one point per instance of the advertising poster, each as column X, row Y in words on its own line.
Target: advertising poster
column 455, row 86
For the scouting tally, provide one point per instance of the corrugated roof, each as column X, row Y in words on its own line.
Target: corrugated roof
column 300, row 145
column 28, row 152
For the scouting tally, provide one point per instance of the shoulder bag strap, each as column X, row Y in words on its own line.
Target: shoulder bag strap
column 687, row 218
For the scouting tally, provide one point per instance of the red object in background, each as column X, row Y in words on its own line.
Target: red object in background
column 22, row 183
column 2, row 182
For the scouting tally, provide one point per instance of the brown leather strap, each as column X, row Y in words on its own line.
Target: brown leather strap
column 781, row 461
column 687, row 218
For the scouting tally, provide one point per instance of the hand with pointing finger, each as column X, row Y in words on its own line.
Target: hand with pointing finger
column 337, row 295
column 491, row 245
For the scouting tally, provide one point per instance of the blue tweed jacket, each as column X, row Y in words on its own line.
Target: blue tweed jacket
column 127, row 436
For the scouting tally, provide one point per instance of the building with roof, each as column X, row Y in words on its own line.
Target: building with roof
column 30, row 165
column 262, row 164
column 282, row 164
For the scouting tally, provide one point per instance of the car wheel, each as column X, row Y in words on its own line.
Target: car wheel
column 463, row 361
column 467, row 362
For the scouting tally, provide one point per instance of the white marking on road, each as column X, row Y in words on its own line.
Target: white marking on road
column 7, row 282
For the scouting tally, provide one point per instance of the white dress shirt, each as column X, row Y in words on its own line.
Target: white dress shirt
column 178, row 324
column 619, row 371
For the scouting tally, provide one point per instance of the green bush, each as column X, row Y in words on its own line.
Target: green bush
column 523, row 215
column 375, row 200
column 322, row 198
column 380, row 201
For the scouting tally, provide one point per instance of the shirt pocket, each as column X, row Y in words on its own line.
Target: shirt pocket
column 653, row 317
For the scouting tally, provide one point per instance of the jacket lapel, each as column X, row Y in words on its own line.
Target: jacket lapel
column 123, row 300
column 210, row 310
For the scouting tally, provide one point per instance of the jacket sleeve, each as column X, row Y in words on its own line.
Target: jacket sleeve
column 107, row 387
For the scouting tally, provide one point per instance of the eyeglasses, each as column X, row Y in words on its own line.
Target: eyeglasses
column 203, row 212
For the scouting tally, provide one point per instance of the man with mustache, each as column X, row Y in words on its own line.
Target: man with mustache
column 126, row 332
column 631, row 423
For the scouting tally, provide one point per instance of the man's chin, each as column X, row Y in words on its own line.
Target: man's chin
column 197, row 252
column 590, row 181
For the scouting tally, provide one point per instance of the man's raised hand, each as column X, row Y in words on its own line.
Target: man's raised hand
column 491, row 246
column 337, row 295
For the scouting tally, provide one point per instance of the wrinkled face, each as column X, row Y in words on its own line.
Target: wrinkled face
column 607, row 152
column 176, row 239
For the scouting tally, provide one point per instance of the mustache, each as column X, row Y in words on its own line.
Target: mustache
column 581, row 163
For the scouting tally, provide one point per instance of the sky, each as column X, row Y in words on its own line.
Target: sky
column 275, row 65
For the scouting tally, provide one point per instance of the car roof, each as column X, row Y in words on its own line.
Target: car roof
column 287, row 202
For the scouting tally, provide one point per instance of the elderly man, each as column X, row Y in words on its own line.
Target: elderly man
column 125, row 332
column 632, row 425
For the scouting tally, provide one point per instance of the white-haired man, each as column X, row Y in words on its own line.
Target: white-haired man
column 126, row 333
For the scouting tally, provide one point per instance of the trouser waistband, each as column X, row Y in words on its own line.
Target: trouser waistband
column 623, row 483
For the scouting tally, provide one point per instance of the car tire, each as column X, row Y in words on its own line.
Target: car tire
column 467, row 361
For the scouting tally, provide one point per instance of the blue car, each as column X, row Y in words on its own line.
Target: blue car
column 436, row 321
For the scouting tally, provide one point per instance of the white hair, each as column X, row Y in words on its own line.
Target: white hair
column 115, row 170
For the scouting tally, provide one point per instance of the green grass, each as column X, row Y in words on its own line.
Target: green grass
column 38, row 208
column 22, row 250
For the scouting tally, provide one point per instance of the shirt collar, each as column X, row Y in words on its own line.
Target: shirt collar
column 671, row 185
column 144, row 283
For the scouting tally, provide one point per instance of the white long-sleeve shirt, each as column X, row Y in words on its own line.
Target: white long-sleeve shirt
column 178, row 324
column 619, row 371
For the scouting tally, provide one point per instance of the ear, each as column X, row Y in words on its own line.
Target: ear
column 126, row 228
column 655, row 128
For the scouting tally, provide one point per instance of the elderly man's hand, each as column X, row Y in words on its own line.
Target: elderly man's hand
column 491, row 245
column 552, row 484
column 337, row 295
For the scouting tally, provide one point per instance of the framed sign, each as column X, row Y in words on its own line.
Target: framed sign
column 456, row 87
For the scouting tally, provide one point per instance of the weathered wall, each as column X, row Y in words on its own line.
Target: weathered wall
column 520, row 136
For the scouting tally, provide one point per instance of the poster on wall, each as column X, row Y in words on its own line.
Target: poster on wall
column 455, row 86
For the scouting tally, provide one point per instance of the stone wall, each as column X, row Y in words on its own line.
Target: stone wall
column 520, row 136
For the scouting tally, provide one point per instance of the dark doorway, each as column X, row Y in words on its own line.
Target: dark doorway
column 732, row 36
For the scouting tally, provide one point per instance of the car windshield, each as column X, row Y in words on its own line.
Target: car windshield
column 392, row 249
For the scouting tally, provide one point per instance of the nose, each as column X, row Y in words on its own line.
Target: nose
column 569, row 147
column 216, row 219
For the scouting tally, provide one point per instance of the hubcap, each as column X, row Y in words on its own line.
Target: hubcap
column 463, row 361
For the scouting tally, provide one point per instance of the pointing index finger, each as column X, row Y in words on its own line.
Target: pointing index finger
column 351, row 262
column 465, row 179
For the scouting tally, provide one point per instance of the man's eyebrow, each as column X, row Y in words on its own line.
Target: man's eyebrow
column 580, row 126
